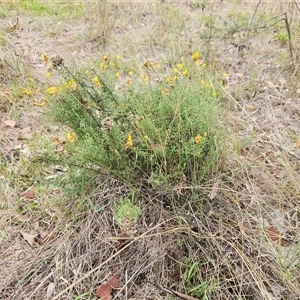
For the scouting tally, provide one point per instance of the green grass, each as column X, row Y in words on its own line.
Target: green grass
column 61, row 10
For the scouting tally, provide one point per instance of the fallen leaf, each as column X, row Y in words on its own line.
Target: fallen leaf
column 28, row 195
column 29, row 238
column 10, row 123
column 275, row 236
column 214, row 191
column 47, row 237
column 104, row 291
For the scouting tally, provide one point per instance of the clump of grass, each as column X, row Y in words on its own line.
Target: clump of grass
column 158, row 127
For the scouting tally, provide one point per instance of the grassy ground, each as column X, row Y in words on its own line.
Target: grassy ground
column 70, row 224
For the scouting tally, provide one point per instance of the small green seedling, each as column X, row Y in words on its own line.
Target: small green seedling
column 126, row 210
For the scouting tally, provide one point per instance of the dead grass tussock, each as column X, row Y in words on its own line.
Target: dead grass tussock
column 229, row 245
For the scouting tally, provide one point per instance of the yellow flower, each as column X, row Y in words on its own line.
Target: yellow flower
column 145, row 77
column 71, row 136
column 214, row 94
column 117, row 74
column 38, row 103
column 207, row 85
column 170, row 79
column 130, row 73
column 146, row 137
column 105, row 57
column 205, row 134
column 176, row 77
column 180, row 66
column 129, row 142
column 195, row 56
column 118, row 57
column 28, row 92
column 202, row 82
column 96, row 81
column 103, row 66
column 185, row 72
column 198, row 138
column 45, row 58
column 31, row 80
column 51, row 90
column 175, row 70
column 112, row 64
column 158, row 66
column 204, row 65
column 71, row 84
column 48, row 74
column 225, row 75
column 165, row 91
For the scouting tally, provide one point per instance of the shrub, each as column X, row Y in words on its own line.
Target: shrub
column 158, row 127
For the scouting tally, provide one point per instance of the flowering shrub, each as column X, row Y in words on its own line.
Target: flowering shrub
column 136, row 126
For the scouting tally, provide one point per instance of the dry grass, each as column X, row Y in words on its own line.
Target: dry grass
column 226, row 241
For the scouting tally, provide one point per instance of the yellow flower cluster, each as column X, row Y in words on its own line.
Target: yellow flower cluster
column 105, row 57
column 51, row 90
column 96, row 81
column 103, row 66
column 71, row 85
column 198, row 138
column 145, row 78
column 195, row 56
column 71, row 136
column 129, row 142
column 40, row 103
column 29, row 92
column 165, row 91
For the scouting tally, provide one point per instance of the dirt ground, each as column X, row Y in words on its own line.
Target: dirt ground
column 244, row 243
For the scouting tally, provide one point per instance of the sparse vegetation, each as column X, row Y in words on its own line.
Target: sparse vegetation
column 149, row 151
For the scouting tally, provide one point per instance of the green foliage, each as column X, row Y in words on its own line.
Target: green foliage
column 163, row 130
column 126, row 209
column 65, row 10
column 194, row 282
column 282, row 37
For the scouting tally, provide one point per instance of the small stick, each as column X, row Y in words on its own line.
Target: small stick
column 174, row 293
